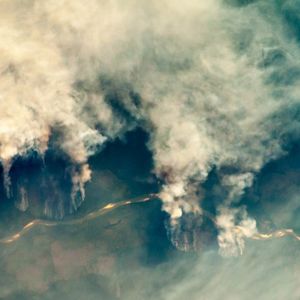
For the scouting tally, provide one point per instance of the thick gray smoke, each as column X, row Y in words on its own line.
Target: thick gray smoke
column 215, row 86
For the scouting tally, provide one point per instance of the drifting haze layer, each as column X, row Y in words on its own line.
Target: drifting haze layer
column 125, row 253
column 213, row 83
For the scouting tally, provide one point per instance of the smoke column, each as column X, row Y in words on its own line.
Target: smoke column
column 212, row 82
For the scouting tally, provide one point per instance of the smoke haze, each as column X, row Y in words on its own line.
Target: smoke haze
column 214, row 84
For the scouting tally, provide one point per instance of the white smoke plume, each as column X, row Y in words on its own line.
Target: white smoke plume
column 211, row 83
column 232, row 234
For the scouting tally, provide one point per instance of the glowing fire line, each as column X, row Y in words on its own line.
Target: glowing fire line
column 112, row 206
column 93, row 215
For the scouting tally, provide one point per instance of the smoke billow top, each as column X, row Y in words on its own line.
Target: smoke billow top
column 213, row 83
